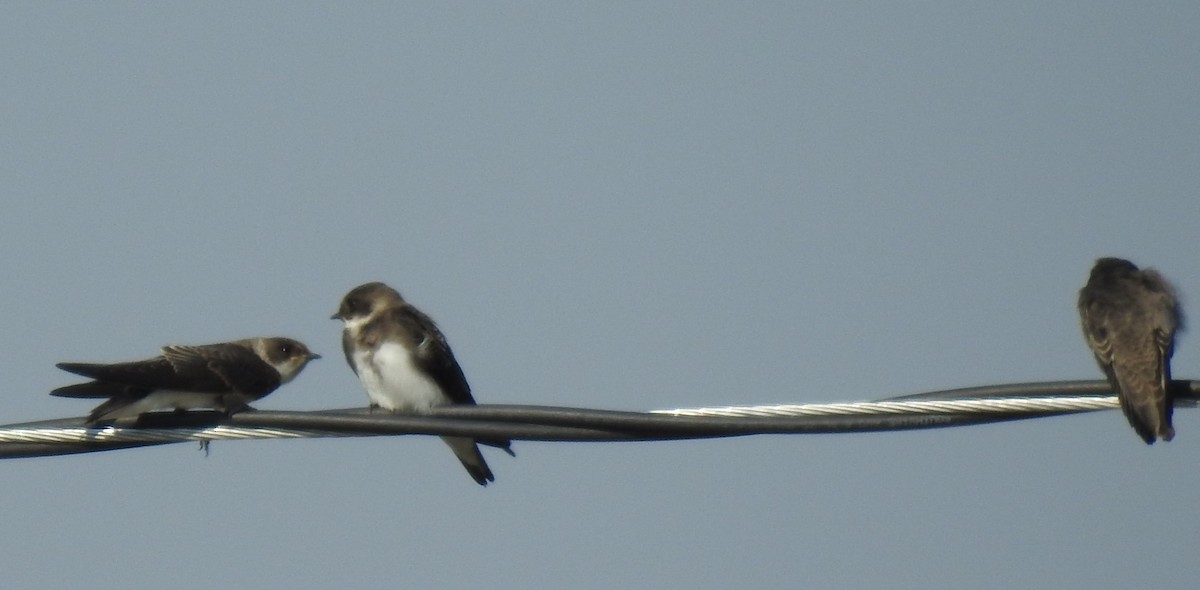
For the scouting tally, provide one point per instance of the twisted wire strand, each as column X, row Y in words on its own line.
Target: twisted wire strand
column 146, row 435
column 959, row 407
column 982, row 406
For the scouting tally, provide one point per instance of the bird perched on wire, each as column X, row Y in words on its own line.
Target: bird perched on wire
column 1130, row 318
column 225, row 377
column 405, row 364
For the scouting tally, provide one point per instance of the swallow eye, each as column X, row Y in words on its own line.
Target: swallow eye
column 286, row 349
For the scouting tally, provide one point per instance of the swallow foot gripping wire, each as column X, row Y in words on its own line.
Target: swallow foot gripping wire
column 938, row 409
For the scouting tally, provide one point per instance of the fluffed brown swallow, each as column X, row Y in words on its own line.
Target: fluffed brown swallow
column 225, row 377
column 1129, row 318
column 405, row 364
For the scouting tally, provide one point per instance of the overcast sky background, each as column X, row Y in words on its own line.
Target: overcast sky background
column 620, row 206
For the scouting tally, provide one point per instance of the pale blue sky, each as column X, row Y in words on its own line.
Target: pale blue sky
column 618, row 206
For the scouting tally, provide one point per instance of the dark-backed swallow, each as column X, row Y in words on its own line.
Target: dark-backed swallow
column 405, row 364
column 224, row 377
column 1129, row 318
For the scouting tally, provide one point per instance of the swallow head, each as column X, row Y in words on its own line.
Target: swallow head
column 1110, row 268
column 287, row 356
column 365, row 300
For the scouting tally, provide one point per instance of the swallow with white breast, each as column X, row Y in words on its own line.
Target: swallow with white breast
column 405, row 364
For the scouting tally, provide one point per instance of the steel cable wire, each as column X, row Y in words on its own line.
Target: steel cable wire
column 937, row 409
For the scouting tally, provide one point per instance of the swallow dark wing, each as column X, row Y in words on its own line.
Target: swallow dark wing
column 1161, row 317
column 150, row 374
column 224, row 368
column 1098, row 332
column 1140, row 370
column 100, row 389
column 433, row 354
column 348, row 350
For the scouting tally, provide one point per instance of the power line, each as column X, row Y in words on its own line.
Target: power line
column 937, row 409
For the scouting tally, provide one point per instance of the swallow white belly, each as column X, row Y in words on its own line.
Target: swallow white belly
column 393, row 381
column 164, row 400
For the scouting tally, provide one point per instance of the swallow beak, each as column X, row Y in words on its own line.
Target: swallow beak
column 335, row 317
column 312, row 356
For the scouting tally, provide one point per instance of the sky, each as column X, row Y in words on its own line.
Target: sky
column 619, row 206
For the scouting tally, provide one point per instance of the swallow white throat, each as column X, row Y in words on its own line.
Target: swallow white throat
column 406, row 365
column 225, row 377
